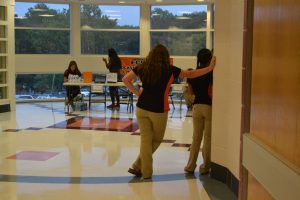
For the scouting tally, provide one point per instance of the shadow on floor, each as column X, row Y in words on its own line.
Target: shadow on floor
column 216, row 189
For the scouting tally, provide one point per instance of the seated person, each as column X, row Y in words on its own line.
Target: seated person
column 72, row 91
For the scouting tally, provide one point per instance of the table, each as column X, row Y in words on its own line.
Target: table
column 104, row 85
column 175, row 88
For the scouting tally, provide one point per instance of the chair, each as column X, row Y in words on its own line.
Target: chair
column 124, row 93
column 68, row 103
column 97, row 90
column 178, row 90
column 171, row 98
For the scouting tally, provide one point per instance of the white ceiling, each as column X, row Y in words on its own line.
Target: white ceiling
column 118, row 1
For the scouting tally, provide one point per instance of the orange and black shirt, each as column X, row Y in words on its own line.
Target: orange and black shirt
column 155, row 98
column 200, row 88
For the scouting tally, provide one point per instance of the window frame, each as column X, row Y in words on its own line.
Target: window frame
column 137, row 30
column 208, row 30
column 46, row 28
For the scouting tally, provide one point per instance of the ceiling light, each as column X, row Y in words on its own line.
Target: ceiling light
column 159, row 0
column 85, row 27
column 46, row 15
column 113, row 15
column 111, row 11
column 117, row 18
column 183, row 18
column 185, row 12
column 21, row 17
column 200, row 0
column 155, row 14
column 122, row 2
column 39, row 9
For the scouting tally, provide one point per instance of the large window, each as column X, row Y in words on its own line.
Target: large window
column 180, row 43
column 39, row 86
column 184, row 29
column 104, row 27
column 42, row 28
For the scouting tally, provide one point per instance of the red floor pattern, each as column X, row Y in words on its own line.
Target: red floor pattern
column 94, row 123
column 33, row 155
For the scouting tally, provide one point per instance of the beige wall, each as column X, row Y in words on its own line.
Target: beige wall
column 58, row 63
column 11, row 52
column 229, row 16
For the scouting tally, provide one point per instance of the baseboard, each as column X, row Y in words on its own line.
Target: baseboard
column 277, row 175
column 5, row 108
column 222, row 174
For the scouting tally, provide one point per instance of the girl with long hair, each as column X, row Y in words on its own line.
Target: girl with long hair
column 72, row 91
column 157, row 75
column 114, row 66
column 201, row 115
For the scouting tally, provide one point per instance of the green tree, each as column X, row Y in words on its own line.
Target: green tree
column 37, row 17
column 91, row 16
column 43, row 41
column 97, row 42
column 179, row 42
column 163, row 19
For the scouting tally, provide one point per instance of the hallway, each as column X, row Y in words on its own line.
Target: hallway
column 47, row 154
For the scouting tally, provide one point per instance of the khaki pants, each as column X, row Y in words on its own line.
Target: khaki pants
column 152, row 127
column 189, row 99
column 201, row 125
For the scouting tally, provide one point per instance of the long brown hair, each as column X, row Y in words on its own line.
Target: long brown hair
column 158, row 59
column 76, row 71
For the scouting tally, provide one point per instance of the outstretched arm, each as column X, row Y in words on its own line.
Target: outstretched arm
column 105, row 61
column 199, row 72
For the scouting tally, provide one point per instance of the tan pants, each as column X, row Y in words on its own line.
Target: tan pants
column 152, row 127
column 201, row 125
column 189, row 99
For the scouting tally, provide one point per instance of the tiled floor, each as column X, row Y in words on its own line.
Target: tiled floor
column 47, row 154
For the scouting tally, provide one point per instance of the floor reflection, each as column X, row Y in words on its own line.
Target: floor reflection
column 94, row 123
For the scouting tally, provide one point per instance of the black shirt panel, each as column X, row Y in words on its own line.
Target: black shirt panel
column 114, row 65
column 200, row 88
column 154, row 98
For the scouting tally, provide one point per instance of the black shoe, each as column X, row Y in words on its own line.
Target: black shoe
column 110, row 106
column 135, row 172
column 116, row 107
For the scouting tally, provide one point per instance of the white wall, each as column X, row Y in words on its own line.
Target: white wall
column 229, row 16
column 58, row 63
